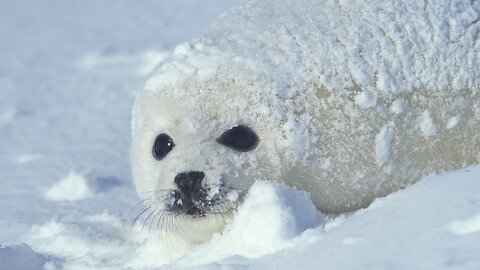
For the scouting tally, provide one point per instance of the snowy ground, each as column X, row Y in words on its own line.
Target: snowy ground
column 68, row 74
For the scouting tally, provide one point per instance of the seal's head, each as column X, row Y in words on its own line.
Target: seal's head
column 196, row 149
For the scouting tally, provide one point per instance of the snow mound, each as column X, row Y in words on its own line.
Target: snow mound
column 270, row 218
column 73, row 187
column 434, row 224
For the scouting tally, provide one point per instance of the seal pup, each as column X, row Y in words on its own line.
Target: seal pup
column 348, row 100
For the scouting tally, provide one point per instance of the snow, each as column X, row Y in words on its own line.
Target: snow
column 366, row 99
column 383, row 141
column 427, row 126
column 452, row 122
column 71, row 188
column 10, row 258
column 271, row 217
column 397, row 107
column 432, row 225
column 68, row 75
column 466, row 226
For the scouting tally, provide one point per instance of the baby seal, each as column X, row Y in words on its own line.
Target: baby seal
column 348, row 100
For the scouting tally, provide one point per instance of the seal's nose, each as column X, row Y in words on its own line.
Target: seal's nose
column 189, row 182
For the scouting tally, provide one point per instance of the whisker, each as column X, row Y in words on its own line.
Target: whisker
column 155, row 191
column 148, row 217
column 138, row 216
column 178, row 225
column 164, row 228
column 140, row 202
column 153, row 220
column 159, row 228
column 174, row 221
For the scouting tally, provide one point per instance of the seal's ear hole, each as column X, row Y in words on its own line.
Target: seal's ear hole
column 239, row 138
column 162, row 146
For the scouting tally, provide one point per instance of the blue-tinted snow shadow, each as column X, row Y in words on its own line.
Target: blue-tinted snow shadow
column 23, row 257
column 105, row 183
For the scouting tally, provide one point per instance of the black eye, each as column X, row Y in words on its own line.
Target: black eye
column 240, row 138
column 163, row 144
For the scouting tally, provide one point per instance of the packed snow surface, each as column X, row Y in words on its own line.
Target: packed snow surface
column 68, row 74
column 434, row 224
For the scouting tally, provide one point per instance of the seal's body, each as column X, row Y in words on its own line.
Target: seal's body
column 347, row 100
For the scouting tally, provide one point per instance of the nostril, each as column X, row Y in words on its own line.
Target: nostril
column 188, row 182
column 198, row 176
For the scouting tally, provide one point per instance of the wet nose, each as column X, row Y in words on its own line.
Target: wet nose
column 189, row 182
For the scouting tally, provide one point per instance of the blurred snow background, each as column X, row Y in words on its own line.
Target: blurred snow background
column 68, row 74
